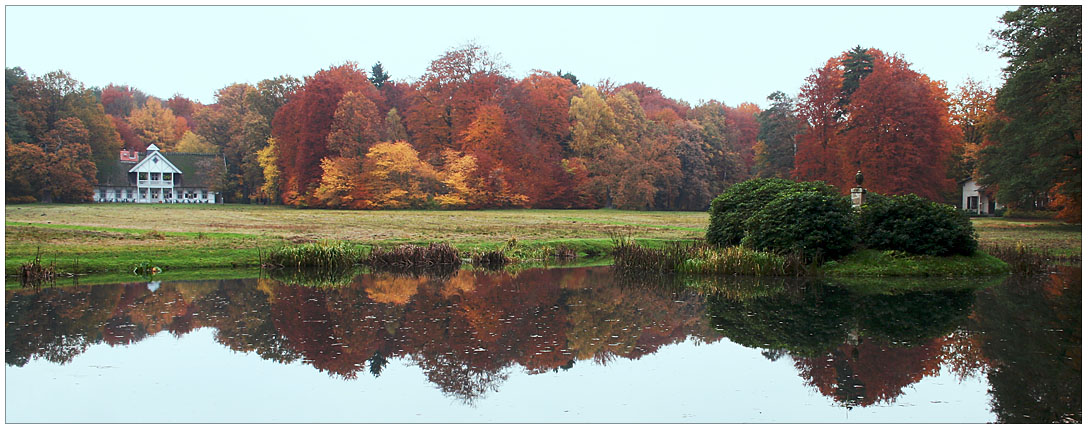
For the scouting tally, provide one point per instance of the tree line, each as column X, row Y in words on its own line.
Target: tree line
column 467, row 135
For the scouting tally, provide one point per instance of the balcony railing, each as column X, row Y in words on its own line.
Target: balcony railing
column 154, row 183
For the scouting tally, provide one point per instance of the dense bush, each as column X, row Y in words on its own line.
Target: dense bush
column 811, row 223
column 731, row 210
column 916, row 225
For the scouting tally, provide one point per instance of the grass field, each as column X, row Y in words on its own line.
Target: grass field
column 114, row 237
column 1060, row 238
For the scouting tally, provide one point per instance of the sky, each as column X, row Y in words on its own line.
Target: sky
column 732, row 54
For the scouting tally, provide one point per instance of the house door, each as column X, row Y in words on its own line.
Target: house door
column 991, row 207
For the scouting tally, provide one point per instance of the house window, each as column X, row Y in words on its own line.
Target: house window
column 167, row 176
column 143, row 193
column 143, row 176
column 204, row 195
column 972, row 203
column 154, row 193
column 109, row 194
column 124, row 193
column 154, row 176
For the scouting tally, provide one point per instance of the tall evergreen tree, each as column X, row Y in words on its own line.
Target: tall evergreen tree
column 1036, row 153
column 778, row 125
column 378, row 77
column 857, row 63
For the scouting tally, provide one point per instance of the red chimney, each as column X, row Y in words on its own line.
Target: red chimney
column 130, row 156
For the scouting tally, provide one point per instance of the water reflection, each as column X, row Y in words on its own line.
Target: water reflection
column 468, row 331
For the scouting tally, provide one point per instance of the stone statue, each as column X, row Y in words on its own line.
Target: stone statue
column 859, row 178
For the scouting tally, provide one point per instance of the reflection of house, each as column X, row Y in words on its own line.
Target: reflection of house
column 976, row 199
column 152, row 178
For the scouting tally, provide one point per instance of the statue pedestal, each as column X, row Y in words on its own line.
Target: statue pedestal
column 857, row 197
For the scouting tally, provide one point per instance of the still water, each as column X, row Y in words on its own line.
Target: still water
column 543, row 346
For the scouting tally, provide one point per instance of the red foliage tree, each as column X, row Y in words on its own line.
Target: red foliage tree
column 817, row 106
column 301, row 127
column 896, row 125
column 899, row 128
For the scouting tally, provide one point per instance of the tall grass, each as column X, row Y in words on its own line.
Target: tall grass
column 701, row 258
column 322, row 255
column 1024, row 260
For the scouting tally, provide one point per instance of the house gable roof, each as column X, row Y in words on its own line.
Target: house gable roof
column 148, row 164
column 197, row 170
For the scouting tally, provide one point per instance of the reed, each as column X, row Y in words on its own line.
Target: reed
column 413, row 256
column 1024, row 260
column 701, row 258
column 563, row 253
column 321, row 255
column 34, row 273
column 491, row 260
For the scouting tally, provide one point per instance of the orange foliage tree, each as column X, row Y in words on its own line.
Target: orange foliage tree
column 448, row 94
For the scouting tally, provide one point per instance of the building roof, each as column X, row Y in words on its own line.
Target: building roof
column 196, row 170
column 148, row 164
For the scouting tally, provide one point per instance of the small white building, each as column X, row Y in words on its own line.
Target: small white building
column 154, row 178
column 977, row 200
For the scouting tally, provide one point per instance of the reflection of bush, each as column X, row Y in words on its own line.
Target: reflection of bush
column 806, row 320
column 815, row 318
column 915, row 317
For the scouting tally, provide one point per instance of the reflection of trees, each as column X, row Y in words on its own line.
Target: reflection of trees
column 870, row 371
column 466, row 330
column 55, row 324
column 1030, row 329
column 241, row 315
column 856, row 348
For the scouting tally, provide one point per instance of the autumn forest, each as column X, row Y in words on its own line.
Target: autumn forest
column 466, row 134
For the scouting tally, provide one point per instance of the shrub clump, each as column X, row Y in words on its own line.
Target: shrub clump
column 916, row 225
column 811, row 223
column 730, row 211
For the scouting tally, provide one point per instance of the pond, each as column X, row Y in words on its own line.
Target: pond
column 581, row 345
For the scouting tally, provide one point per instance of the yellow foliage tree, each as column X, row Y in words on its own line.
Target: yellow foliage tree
column 154, row 124
column 395, row 176
column 594, row 124
column 266, row 158
column 192, row 142
column 462, row 186
column 339, row 187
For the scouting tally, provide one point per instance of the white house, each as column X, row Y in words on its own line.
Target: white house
column 154, row 178
column 977, row 199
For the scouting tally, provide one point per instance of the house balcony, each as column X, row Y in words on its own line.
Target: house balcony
column 154, row 184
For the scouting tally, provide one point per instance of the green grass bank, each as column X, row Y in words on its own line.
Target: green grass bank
column 113, row 239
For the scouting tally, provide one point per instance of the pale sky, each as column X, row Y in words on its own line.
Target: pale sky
column 733, row 54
